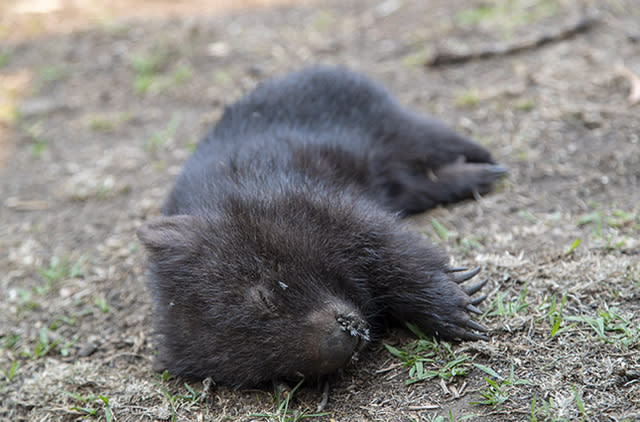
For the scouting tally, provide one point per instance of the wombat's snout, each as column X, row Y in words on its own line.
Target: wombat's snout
column 344, row 337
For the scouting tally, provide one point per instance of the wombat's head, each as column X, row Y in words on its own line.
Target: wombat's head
column 248, row 301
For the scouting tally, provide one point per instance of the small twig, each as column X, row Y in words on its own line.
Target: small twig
column 582, row 24
column 388, row 368
column 426, row 407
column 18, row 204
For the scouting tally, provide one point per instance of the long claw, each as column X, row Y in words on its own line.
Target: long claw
column 459, row 278
column 497, row 170
column 458, row 269
column 478, row 300
column 475, row 287
column 468, row 335
column 472, row 324
column 473, row 309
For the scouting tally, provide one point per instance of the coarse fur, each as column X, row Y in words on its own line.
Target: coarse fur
column 282, row 251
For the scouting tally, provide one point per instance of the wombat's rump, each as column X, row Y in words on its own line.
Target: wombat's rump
column 281, row 251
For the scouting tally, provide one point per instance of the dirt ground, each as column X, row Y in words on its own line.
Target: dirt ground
column 96, row 122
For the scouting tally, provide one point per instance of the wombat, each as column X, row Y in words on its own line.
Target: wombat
column 282, row 251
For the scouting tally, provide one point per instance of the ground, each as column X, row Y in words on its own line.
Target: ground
column 98, row 115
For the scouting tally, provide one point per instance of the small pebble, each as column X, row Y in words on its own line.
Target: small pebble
column 87, row 350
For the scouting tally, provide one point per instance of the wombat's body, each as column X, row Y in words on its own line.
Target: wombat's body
column 281, row 251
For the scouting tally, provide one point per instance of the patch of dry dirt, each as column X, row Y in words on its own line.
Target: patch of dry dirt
column 103, row 118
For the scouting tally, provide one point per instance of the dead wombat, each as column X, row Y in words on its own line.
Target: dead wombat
column 281, row 251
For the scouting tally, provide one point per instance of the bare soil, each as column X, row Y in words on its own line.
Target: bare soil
column 95, row 123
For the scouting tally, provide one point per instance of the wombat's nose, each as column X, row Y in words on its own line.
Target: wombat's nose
column 343, row 342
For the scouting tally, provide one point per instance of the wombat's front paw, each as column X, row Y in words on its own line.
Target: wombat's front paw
column 452, row 319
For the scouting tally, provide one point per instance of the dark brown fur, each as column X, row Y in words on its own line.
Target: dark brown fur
column 281, row 252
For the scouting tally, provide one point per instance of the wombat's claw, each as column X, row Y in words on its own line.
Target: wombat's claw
column 497, row 170
column 472, row 324
column 472, row 308
column 459, row 278
column 470, row 329
column 469, row 335
column 354, row 326
column 475, row 287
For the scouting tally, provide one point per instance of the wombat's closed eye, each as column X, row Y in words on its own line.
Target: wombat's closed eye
column 281, row 252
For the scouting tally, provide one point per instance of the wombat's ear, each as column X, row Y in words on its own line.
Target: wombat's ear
column 178, row 233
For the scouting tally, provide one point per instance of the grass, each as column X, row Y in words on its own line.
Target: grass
column 159, row 139
column 554, row 314
column 5, row 58
column 527, row 215
column 470, row 243
column 147, row 67
column 283, row 411
column 11, row 340
column 152, row 75
column 172, row 399
column 106, row 122
column 525, row 104
column 416, row 59
column 39, row 143
column 573, row 246
column 38, row 147
column 610, row 327
column 595, row 220
column 508, row 309
column 550, row 410
column 222, row 77
column 102, row 304
column 579, row 402
column 442, row 232
column 468, row 98
column 506, row 15
column 611, row 228
column 44, row 344
column 323, row 20
column 499, row 388
column 59, row 269
column 429, row 358
column 10, row 373
column 26, row 301
column 51, row 73
column 63, row 320
column 451, row 418
column 178, row 400
column 56, row 271
column 84, row 410
column 181, row 74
